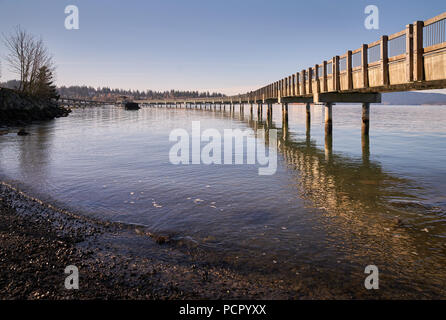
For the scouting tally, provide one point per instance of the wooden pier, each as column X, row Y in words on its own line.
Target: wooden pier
column 81, row 103
column 412, row 59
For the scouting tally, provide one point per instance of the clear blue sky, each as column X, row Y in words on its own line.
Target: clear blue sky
column 228, row 45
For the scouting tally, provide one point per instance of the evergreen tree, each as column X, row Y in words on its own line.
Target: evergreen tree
column 44, row 84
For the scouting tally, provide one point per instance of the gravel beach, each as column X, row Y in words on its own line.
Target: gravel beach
column 38, row 241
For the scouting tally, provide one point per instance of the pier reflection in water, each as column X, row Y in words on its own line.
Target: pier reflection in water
column 361, row 201
column 334, row 206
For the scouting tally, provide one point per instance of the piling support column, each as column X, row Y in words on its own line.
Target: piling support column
column 328, row 118
column 308, row 115
column 269, row 115
column 328, row 147
column 308, row 124
column 285, row 112
column 285, row 131
column 365, row 118
column 365, row 143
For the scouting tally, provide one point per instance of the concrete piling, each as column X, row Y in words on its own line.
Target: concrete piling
column 328, row 118
column 365, row 144
column 308, row 113
column 365, row 118
column 285, row 112
column 328, row 147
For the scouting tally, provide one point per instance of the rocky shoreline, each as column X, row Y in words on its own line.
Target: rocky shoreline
column 37, row 242
column 18, row 109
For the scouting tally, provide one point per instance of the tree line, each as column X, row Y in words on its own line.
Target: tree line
column 29, row 58
column 108, row 94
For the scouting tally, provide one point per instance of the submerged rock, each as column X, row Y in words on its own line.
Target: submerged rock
column 398, row 222
column 161, row 239
column 22, row 132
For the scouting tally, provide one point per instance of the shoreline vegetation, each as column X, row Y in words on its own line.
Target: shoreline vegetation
column 17, row 109
column 35, row 96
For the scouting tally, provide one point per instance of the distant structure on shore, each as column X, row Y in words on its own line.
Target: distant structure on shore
column 131, row 106
column 413, row 98
column 128, row 103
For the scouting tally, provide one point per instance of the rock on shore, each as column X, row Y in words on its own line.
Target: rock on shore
column 18, row 109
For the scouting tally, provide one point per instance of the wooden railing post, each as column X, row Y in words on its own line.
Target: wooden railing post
column 285, row 87
column 283, row 92
column 316, row 77
column 349, row 70
column 418, row 50
column 336, row 75
column 303, row 81
column 409, row 52
column 297, row 85
column 385, row 60
column 293, row 84
column 310, row 81
column 365, row 66
column 324, row 74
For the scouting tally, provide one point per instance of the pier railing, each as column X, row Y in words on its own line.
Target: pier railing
column 411, row 59
column 393, row 63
